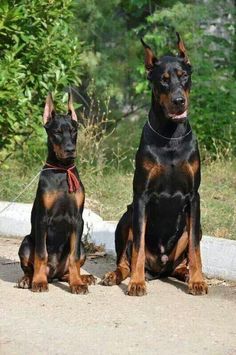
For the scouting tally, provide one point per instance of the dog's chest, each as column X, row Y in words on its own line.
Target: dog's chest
column 169, row 179
column 62, row 205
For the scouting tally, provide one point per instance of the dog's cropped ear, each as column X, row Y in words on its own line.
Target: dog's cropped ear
column 182, row 50
column 49, row 110
column 150, row 58
column 71, row 109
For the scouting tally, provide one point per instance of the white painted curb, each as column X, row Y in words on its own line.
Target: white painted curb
column 218, row 255
column 15, row 222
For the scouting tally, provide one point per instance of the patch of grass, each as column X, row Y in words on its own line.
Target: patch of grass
column 218, row 199
column 109, row 193
column 113, row 192
column 14, row 177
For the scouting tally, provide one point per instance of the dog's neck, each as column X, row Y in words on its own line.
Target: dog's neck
column 162, row 125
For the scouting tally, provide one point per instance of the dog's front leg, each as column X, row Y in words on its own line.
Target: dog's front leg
column 75, row 280
column 40, row 282
column 137, row 286
column 197, row 285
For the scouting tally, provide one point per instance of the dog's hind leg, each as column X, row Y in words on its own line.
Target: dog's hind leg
column 26, row 252
column 178, row 258
column 63, row 272
column 181, row 272
column 123, row 242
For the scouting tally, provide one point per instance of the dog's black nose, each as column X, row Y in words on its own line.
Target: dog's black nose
column 179, row 101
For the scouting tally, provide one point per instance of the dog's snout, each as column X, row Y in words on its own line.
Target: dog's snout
column 70, row 150
column 179, row 101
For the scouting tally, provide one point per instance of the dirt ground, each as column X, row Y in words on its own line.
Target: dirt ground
column 106, row 321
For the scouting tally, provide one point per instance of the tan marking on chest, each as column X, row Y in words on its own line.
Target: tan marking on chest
column 153, row 169
column 79, row 198
column 49, row 198
column 191, row 169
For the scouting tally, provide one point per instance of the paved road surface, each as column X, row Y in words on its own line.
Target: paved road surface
column 167, row 321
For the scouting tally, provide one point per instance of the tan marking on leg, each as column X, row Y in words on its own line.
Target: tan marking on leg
column 197, row 285
column 137, row 286
column 75, row 281
column 181, row 272
column 26, row 280
column 88, row 279
column 123, row 268
column 180, row 247
column 40, row 282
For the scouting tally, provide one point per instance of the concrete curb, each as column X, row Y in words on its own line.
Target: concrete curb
column 218, row 255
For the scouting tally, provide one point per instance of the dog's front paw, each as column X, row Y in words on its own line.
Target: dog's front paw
column 79, row 289
column 40, row 286
column 25, row 282
column 109, row 279
column 137, row 289
column 198, row 288
column 88, row 279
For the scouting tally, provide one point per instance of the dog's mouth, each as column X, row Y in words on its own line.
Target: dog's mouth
column 178, row 117
column 66, row 159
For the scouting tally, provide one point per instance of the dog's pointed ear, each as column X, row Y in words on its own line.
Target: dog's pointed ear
column 49, row 110
column 182, row 49
column 150, row 58
column 71, row 109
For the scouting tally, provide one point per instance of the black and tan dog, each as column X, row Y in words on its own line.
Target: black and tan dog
column 54, row 250
column 161, row 231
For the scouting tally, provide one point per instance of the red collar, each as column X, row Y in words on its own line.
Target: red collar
column 72, row 179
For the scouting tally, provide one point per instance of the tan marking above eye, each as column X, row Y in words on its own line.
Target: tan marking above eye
column 180, row 73
column 165, row 76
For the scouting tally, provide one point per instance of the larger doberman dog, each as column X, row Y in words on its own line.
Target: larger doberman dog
column 161, row 231
column 54, row 250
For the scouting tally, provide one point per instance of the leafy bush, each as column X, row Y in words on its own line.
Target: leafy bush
column 39, row 52
column 40, row 44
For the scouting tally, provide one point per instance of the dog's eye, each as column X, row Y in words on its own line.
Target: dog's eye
column 182, row 74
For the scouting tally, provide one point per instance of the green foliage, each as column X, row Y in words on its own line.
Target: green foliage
column 114, row 57
column 38, row 53
column 40, row 44
column 211, row 52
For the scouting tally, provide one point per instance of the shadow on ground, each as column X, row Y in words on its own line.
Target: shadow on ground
column 10, row 271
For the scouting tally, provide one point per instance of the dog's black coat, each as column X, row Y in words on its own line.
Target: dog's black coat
column 160, row 231
column 53, row 249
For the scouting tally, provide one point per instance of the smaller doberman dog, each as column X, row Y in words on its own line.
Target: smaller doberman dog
column 54, row 249
column 161, row 231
